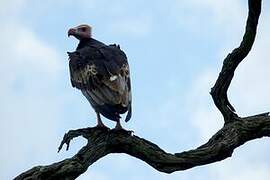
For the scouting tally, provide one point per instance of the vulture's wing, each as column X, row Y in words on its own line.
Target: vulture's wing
column 103, row 74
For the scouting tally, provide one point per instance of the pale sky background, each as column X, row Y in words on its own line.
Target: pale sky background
column 175, row 50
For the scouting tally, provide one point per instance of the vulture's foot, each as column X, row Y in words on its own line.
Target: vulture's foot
column 119, row 128
column 100, row 125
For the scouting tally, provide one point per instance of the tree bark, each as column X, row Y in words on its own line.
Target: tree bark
column 235, row 132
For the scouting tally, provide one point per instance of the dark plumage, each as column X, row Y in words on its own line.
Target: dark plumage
column 101, row 72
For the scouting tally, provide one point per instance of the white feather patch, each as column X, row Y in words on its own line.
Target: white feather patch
column 112, row 78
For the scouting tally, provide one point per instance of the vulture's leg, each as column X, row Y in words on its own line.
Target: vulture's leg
column 118, row 125
column 99, row 122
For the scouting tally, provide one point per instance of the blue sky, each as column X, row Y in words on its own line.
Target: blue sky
column 175, row 50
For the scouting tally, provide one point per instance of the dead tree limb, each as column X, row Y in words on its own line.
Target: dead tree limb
column 235, row 132
column 230, row 63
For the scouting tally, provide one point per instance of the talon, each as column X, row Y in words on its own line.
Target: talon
column 102, row 127
column 118, row 127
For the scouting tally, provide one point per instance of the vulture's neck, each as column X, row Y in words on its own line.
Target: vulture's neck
column 83, row 42
column 90, row 42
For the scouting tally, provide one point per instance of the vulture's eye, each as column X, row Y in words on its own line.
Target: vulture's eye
column 83, row 29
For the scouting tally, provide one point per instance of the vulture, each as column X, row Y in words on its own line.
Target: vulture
column 102, row 74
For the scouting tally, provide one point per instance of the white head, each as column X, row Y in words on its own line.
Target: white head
column 80, row 32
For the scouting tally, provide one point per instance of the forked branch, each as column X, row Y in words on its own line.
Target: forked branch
column 103, row 142
column 235, row 132
column 230, row 63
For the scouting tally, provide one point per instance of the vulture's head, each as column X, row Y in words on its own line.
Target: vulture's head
column 80, row 32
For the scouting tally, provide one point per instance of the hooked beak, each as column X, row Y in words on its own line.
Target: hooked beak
column 72, row 32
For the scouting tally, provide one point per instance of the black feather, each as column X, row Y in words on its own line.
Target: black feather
column 101, row 72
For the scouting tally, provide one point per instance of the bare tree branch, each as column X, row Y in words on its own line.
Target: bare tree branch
column 235, row 132
column 103, row 142
column 219, row 91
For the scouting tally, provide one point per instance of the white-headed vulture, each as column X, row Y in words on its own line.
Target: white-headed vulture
column 101, row 72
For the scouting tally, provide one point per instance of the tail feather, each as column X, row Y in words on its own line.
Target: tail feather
column 128, row 117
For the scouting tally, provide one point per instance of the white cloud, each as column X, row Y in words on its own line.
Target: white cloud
column 250, row 87
column 10, row 9
column 211, row 17
column 132, row 26
column 221, row 11
column 241, row 170
column 24, row 49
column 29, row 108
column 247, row 163
column 93, row 175
column 28, row 104
column 205, row 116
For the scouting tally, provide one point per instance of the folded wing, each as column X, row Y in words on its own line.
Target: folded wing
column 102, row 74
